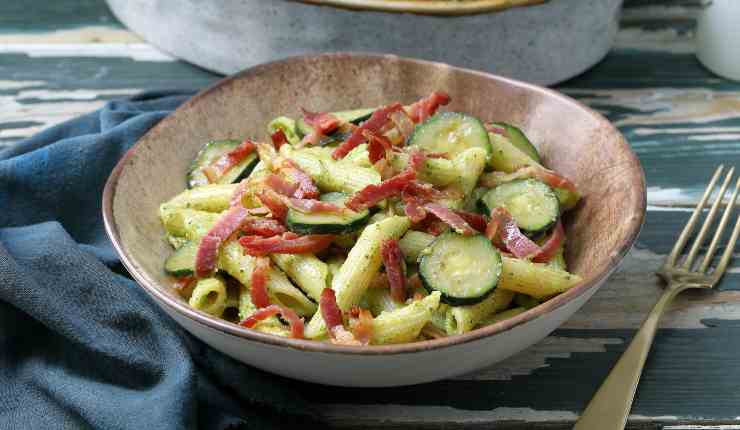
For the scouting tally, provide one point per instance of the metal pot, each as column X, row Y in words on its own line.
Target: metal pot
column 545, row 43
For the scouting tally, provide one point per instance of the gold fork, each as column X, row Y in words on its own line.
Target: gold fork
column 609, row 408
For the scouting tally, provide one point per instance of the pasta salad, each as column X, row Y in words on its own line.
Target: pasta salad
column 371, row 226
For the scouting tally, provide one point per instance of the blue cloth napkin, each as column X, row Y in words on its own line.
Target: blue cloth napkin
column 81, row 346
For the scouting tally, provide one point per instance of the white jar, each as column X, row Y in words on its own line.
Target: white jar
column 718, row 38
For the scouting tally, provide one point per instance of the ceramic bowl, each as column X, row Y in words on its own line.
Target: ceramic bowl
column 573, row 139
column 541, row 43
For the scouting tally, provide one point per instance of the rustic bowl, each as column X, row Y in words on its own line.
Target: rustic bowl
column 541, row 43
column 572, row 139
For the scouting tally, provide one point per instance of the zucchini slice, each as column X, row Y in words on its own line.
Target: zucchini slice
column 210, row 152
column 182, row 261
column 356, row 117
column 327, row 223
column 465, row 269
column 451, row 133
column 533, row 205
column 520, row 140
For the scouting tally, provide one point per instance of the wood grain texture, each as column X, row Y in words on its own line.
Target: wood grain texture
column 680, row 120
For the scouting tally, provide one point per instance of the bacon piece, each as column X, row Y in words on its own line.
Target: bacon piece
column 278, row 139
column 259, row 279
column 280, row 185
column 288, row 243
column 506, row 230
column 403, row 123
column 296, row 323
column 224, row 163
column 272, row 201
column 413, row 208
column 362, row 330
column 372, row 194
column 450, row 218
column 416, row 160
column 393, row 262
column 540, row 173
column 207, row 254
column 266, row 227
column 306, row 187
column 424, row 191
column 496, row 130
column 554, row 180
column 377, row 120
column 550, row 248
column 426, row 107
column 445, row 155
column 477, row 221
column 323, row 122
column 330, row 311
column 378, row 146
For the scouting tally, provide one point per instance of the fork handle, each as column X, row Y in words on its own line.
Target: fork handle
column 609, row 408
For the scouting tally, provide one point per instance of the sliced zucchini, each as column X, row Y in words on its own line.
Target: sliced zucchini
column 356, row 116
column 532, row 204
column 465, row 269
column 520, row 140
column 210, row 152
column 182, row 261
column 451, row 133
column 327, row 223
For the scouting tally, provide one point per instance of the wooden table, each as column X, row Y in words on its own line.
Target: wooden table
column 680, row 120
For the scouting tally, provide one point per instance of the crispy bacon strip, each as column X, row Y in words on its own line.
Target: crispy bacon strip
column 426, row 107
column 550, row 248
column 378, row 146
column 330, row 311
column 505, row 229
column 224, row 163
column 323, row 122
column 393, row 262
column 274, row 202
column 450, row 218
column 362, row 329
column 207, row 254
column 266, row 227
column 296, row 323
column 280, row 185
column 278, row 139
column 540, row 173
column 377, row 120
column 288, row 243
column 403, row 123
column 413, row 208
column 372, row 194
column 424, row 191
column 496, row 130
column 477, row 221
column 259, row 279
column 306, row 188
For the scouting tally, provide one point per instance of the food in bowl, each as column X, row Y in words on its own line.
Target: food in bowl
column 377, row 225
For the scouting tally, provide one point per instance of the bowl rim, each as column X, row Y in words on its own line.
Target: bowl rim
column 229, row 328
column 427, row 7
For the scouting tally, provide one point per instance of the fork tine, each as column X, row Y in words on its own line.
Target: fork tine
column 678, row 247
column 720, row 270
column 722, row 224
column 699, row 241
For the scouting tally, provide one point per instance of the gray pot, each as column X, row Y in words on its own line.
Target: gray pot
column 544, row 44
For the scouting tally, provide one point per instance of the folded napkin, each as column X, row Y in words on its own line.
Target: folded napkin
column 81, row 346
